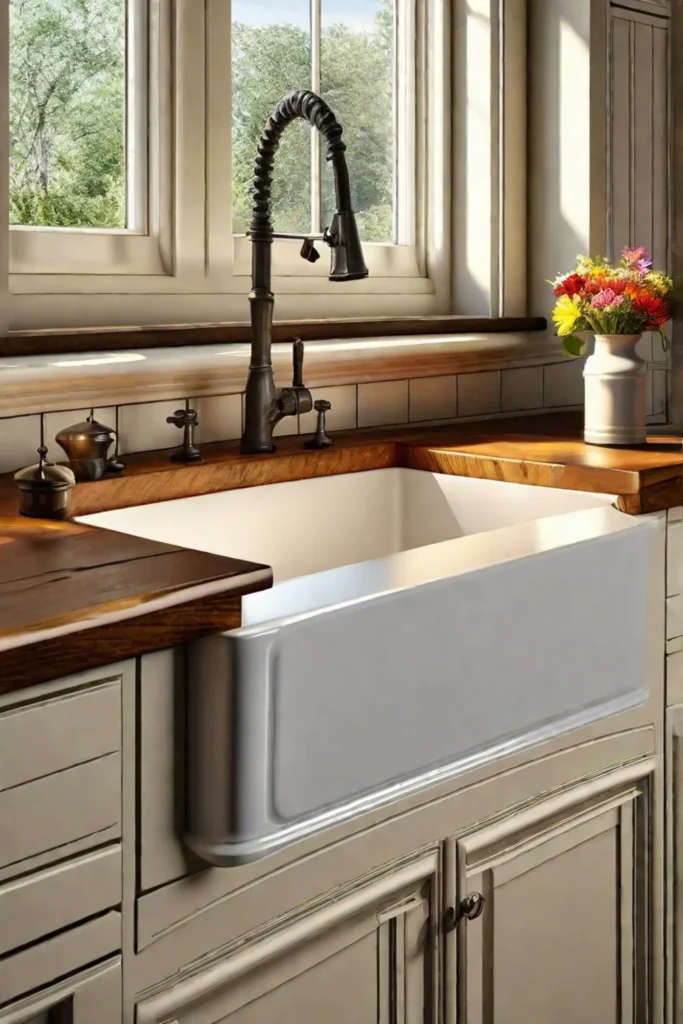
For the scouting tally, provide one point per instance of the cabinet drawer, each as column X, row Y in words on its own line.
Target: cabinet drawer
column 58, row 897
column 78, row 804
column 91, row 997
column 60, row 732
column 41, row 965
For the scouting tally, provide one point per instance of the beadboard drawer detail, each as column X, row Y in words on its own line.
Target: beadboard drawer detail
column 80, row 804
column 48, row 901
column 674, row 559
column 39, row 966
column 674, row 617
column 48, row 736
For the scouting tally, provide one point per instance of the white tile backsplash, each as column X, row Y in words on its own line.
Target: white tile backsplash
column 479, row 393
column 341, row 416
column 563, row 383
column 143, row 427
column 220, row 418
column 383, row 403
column 433, row 398
column 19, row 440
column 522, row 389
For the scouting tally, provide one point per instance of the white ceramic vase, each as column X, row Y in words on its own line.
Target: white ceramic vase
column 615, row 380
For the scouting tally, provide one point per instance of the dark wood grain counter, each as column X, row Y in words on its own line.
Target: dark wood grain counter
column 72, row 597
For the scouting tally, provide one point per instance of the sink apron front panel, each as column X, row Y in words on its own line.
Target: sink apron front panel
column 301, row 722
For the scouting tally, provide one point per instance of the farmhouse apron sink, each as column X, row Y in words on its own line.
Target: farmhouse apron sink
column 419, row 625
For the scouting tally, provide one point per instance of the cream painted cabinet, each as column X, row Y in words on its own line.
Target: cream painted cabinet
column 558, row 899
column 369, row 955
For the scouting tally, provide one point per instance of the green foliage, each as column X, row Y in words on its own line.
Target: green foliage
column 67, row 89
column 67, row 116
column 572, row 345
column 356, row 72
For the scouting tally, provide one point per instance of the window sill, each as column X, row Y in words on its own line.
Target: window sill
column 30, row 384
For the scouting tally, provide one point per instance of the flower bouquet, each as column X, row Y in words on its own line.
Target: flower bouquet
column 616, row 304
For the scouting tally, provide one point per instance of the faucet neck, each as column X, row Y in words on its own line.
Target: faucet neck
column 312, row 108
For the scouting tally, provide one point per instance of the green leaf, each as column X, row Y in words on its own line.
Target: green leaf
column 573, row 345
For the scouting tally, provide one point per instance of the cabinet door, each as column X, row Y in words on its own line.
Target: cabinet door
column 562, row 932
column 368, row 956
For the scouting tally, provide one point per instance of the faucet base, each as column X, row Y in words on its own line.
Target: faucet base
column 246, row 448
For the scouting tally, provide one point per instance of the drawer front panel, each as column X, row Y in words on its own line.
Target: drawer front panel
column 91, row 997
column 58, row 897
column 58, row 733
column 674, row 559
column 59, row 809
column 41, row 965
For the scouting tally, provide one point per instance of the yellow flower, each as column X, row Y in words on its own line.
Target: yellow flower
column 566, row 315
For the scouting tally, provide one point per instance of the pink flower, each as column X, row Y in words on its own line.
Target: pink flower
column 607, row 298
column 637, row 258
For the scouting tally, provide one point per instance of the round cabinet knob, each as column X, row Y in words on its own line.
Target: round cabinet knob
column 472, row 906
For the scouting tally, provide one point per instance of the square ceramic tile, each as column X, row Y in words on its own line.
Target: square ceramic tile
column 341, row 416
column 220, row 418
column 19, row 440
column 143, row 426
column 56, row 421
column 563, row 383
column 433, row 398
column 522, row 389
column 479, row 393
column 383, row 404
column 644, row 347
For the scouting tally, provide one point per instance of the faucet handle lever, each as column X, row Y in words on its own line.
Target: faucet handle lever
column 298, row 361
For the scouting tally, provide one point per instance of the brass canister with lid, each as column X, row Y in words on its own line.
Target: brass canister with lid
column 87, row 447
column 45, row 489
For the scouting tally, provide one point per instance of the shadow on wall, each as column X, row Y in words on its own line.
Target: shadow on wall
column 472, row 143
column 559, row 151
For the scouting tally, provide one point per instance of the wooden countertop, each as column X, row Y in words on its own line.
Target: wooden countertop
column 545, row 451
column 72, row 597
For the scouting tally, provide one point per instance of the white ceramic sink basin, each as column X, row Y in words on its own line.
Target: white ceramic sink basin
column 306, row 526
column 419, row 624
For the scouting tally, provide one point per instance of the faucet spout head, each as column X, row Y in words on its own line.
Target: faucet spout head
column 348, row 263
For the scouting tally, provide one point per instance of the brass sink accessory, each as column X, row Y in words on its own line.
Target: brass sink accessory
column 44, row 488
column 87, row 447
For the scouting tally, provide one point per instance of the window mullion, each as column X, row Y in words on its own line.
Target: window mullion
column 316, row 182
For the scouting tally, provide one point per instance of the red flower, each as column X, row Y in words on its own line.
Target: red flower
column 655, row 310
column 571, row 285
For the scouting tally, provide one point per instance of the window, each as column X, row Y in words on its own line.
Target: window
column 79, row 136
column 134, row 126
column 346, row 51
column 67, row 114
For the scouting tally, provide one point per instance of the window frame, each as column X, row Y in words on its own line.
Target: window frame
column 143, row 249
column 189, row 267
